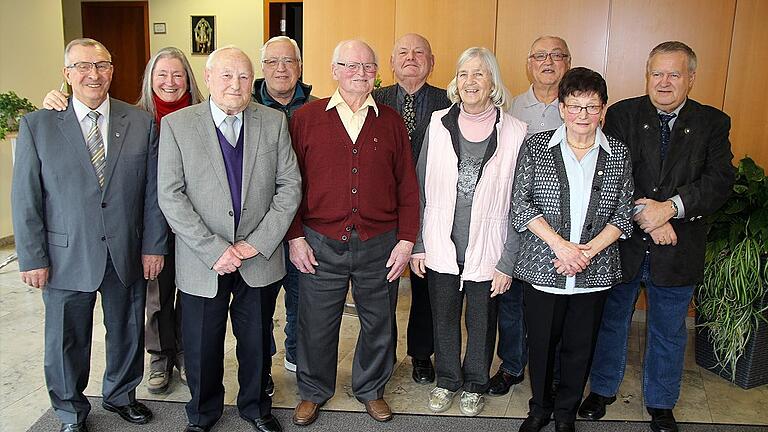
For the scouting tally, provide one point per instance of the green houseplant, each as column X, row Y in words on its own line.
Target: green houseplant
column 732, row 300
column 12, row 107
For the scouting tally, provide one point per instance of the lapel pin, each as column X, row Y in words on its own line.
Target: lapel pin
column 687, row 131
column 599, row 173
column 645, row 126
column 375, row 139
column 117, row 134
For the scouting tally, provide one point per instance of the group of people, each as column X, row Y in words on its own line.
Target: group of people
column 542, row 213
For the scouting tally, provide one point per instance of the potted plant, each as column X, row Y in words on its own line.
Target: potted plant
column 12, row 107
column 731, row 302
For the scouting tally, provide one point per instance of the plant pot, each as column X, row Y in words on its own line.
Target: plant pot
column 752, row 367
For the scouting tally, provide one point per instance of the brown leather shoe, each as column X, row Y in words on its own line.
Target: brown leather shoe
column 305, row 413
column 379, row 410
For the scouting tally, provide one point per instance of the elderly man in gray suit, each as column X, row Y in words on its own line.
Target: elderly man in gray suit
column 86, row 219
column 229, row 186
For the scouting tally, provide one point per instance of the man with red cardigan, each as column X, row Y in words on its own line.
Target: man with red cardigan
column 357, row 222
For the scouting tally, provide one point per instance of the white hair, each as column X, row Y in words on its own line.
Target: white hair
column 499, row 94
column 86, row 42
column 280, row 39
column 337, row 51
column 212, row 56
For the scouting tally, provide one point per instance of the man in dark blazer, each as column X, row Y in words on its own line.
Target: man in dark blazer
column 415, row 100
column 681, row 159
column 229, row 187
column 86, row 219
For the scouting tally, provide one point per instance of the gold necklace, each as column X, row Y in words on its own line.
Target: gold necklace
column 579, row 147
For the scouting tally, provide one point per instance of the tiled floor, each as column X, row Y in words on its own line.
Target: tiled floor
column 705, row 397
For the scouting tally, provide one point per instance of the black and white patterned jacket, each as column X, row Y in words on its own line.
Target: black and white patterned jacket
column 541, row 189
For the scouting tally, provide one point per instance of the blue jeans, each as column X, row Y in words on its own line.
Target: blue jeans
column 512, row 348
column 291, row 286
column 665, row 342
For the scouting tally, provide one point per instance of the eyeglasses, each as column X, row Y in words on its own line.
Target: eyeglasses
column 273, row 61
column 591, row 109
column 555, row 56
column 85, row 67
column 355, row 67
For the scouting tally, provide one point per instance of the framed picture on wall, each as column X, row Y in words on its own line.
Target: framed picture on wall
column 203, row 34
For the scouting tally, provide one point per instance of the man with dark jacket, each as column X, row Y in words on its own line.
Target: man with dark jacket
column 412, row 62
column 281, row 89
column 681, row 159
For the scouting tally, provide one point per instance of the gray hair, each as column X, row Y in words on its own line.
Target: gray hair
column 499, row 94
column 212, row 56
column 670, row 47
column 280, row 39
column 558, row 38
column 86, row 42
column 337, row 51
column 146, row 101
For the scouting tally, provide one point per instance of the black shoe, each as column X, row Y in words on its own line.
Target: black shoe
column 564, row 427
column 593, row 407
column 662, row 420
column 501, row 382
column 73, row 427
column 423, row 372
column 268, row 423
column 135, row 412
column 270, row 389
column 533, row 424
column 196, row 428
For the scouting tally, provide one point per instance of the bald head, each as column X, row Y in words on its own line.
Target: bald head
column 412, row 61
column 229, row 77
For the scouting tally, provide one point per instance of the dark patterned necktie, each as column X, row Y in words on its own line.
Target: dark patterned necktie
column 409, row 114
column 95, row 144
column 665, row 132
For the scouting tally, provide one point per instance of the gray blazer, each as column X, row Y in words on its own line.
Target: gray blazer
column 63, row 220
column 194, row 195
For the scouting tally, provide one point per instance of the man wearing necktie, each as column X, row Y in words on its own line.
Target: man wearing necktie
column 86, row 219
column 681, row 159
column 412, row 62
column 229, row 186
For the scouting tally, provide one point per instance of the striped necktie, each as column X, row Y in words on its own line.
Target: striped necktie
column 95, row 144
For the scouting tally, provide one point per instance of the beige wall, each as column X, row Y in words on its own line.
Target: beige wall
column 238, row 22
column 31, row 59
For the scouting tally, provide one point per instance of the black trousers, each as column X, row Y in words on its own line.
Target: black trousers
column 204, row 329
column 421, row 343
column 163, row 329
column 573, row 322
column 321, row 305
column 480, row 320
column 68, row 334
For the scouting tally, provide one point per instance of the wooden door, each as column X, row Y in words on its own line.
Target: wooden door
column 123, row 27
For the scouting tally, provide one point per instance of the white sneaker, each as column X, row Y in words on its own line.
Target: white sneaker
column 440, row 399
column 471, row 404
column 289, row 366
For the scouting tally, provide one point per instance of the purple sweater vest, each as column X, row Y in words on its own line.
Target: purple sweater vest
column 233, row 162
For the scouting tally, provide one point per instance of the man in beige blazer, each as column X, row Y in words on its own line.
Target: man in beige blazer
column 229, row 186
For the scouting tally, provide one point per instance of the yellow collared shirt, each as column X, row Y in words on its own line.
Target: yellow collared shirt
column 352, row 121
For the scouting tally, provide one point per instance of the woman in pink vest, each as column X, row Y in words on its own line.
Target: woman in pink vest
column 466, row 170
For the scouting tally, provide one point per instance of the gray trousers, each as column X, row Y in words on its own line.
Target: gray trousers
column 68, row 333
column 480, row 319
column 321, row 304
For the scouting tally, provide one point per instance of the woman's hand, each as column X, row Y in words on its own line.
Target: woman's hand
column 500, row 283
column 55, row 100
column 418, row 267
column 572, row 258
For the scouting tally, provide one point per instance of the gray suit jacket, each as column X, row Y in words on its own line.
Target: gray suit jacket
column 63, row 220
column 195, row 198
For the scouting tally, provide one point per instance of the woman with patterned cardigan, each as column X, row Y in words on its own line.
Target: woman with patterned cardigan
column 572, row 202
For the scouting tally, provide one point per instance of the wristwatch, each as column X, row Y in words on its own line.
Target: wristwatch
column 674, row 207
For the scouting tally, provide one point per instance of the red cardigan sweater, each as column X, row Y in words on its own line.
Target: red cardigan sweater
column 369, row 185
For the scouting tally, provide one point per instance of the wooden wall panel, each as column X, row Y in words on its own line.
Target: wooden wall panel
column 582, row 23
column 328, row 22
column 451, row 26
column 637, row 26
column 747, row 87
